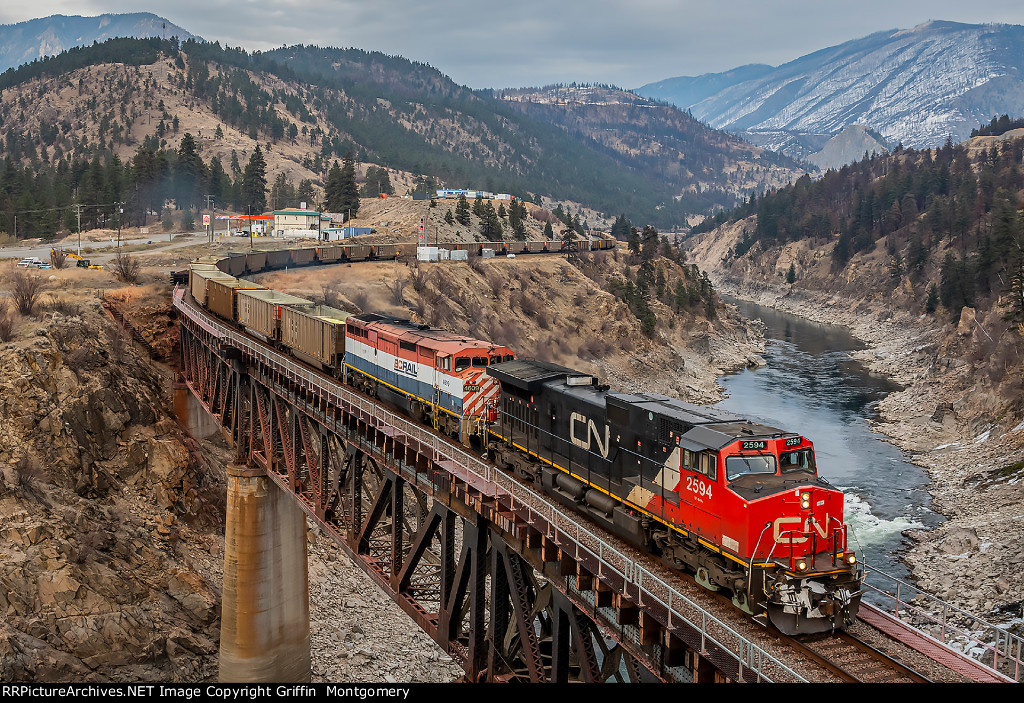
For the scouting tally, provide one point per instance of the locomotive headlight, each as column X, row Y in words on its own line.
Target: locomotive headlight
column 801, row 565
column 805, row 501
column 851, row 559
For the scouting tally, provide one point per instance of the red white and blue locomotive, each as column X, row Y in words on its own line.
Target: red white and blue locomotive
column 737, row 503
column 435, row 376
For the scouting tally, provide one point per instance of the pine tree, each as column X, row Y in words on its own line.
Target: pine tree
column 516, row 217
column 791, row 274
column 254, row 182
column 462, row 211
column 490, row 224
column 634, row 241
column 190, row 172
column 932, row 303
column 349, row 191
column 333, row 192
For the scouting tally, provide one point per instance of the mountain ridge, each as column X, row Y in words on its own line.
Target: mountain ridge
column 916, row 86
column 22, row 42
column 313, row 105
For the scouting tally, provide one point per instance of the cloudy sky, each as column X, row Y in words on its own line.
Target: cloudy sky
column 487, row 44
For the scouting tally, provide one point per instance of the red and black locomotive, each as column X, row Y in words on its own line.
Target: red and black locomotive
column 737, row 503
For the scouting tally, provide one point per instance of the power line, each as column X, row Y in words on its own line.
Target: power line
column 61, row 207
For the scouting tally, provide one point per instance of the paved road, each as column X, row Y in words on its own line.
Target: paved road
column 70, row 244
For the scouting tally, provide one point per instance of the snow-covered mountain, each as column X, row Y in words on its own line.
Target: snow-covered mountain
column 916, row 86
column 48, row 36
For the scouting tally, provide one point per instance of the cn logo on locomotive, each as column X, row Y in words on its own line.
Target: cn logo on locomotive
column 585, row 443
column 783, row 534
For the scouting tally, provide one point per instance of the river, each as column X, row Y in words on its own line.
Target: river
column 812, row 386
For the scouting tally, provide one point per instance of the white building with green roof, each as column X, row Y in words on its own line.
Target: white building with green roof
column 299, row 223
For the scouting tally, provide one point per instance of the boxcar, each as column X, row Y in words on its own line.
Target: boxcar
column 357, row 252
column 303, row 257
column 328, row 255
column 209, row 260
column 315, row 333
column 515, row 247
column 221, row 296
column 199, row 282
column 279, row 259
column 259, row 310
column 255, row 262
column 234, row 264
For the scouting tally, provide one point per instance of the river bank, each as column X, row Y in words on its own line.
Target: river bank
column 944, row 418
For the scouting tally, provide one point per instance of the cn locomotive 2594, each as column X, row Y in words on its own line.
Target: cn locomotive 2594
column 737, row 503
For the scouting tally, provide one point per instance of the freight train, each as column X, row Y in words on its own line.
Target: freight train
column 737, row 503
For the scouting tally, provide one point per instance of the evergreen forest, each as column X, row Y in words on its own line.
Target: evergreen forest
column 949, row 221
column 336, row 103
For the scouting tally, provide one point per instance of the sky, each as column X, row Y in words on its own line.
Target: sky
column 487, row 44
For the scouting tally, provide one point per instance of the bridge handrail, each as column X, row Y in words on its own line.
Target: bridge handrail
column 957, row 629
column 644, row 582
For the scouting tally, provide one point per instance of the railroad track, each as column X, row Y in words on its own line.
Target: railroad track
column 853, row 660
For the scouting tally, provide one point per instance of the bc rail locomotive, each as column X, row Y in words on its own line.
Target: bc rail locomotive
column 738, row 504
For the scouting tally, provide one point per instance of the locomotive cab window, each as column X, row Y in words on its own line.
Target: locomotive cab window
column 736, row 466
column 461, row 363
column 799, row 460
column 700, row 462
column 444, row 363
column 480, row 361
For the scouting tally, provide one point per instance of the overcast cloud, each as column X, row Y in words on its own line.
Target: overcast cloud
column 486, row 44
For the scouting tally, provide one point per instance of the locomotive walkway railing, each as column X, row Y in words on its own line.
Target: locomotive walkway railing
column 625, row 575
column 991, row 646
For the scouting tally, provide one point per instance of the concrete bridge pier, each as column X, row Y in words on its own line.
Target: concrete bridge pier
column 264, row 634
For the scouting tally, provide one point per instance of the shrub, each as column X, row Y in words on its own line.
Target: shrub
column 418, row 277
column 361, row 300
column 25, row 291
column 6, row 322
column 29, row 473
column 329, row 294
column 397, row 288
column 126, row 269
column 117, row 340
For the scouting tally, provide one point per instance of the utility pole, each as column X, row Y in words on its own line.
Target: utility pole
column 120, row 216
column 78, row 211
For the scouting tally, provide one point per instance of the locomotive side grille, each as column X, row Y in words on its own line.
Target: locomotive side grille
column 669, row 431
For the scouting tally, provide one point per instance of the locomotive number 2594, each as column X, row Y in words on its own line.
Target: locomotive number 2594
column 697, row 486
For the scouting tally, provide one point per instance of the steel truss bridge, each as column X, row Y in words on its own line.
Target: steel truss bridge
column 511, row 585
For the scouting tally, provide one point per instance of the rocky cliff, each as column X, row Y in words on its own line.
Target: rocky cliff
column 97, row 495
